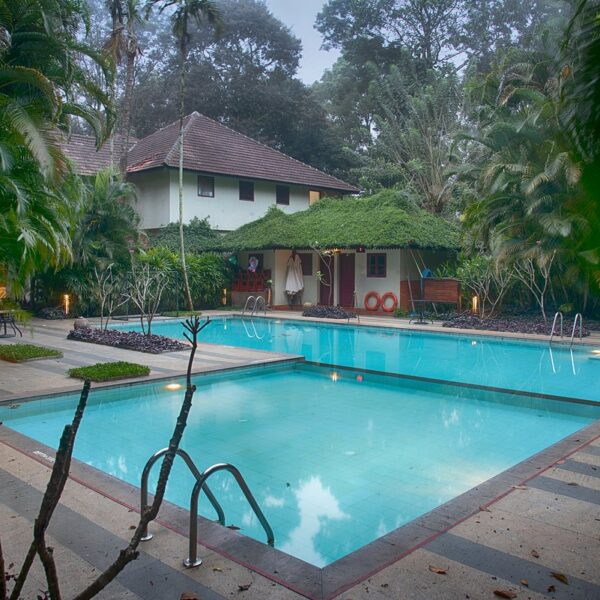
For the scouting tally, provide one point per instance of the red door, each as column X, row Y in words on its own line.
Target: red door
column 346, row 290
column 327, row 279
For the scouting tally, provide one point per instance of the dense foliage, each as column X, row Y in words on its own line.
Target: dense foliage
column 198, row 236
column 43, row 84
column 386, row 220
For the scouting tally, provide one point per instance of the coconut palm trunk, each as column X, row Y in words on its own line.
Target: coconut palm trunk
column 186, row 283
column 132, row 51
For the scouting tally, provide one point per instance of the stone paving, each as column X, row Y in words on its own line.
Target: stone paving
column 538, row 538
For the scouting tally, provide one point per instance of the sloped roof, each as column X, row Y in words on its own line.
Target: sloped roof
column 210, row 147
column 384, row 220
column 81, row 149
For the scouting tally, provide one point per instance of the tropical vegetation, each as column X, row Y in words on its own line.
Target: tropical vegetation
column 470, row 125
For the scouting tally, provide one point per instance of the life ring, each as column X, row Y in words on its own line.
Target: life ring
column 371, row 307
column 386, row 308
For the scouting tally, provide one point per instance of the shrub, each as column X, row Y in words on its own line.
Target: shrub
column 109, row 371
column 23, row 352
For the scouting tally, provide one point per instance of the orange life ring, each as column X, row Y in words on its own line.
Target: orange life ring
column 387, row 296
column 371, row 307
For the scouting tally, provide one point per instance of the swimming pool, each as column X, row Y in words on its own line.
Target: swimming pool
column 479, row 360
column 335, row 458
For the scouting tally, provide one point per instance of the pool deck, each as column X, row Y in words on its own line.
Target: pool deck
column 509, row 534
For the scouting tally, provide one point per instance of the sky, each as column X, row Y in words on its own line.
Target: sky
column 299, row 16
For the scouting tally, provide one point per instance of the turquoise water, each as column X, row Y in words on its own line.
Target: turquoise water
column 493, row 362
column 336, row 459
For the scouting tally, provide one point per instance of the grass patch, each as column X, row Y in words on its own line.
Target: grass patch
column 181, row 313
column 109, row 371
column 17, row 353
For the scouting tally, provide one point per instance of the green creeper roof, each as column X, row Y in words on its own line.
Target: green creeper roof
column 385, row 220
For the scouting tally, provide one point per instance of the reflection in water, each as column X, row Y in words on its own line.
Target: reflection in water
column 316, row 503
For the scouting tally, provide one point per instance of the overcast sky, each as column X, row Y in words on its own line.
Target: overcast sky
column 299, row 16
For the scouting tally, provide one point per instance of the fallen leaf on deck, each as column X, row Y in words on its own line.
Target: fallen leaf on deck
column 519, row 487
column 234, row 527
column 505, row 594
column 551, row 589
column 188, row 596
column 217, row 569
column 535, row 554
column 244, row 588
column 572, row 483
column 438, row 570
column 524, row 582
column 132, row 527
column 484, row 509
column 560, row 576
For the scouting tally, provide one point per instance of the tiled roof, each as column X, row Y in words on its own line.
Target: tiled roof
column 210, row 147
column 81, row 149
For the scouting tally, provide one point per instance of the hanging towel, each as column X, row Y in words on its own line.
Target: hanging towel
column 294, row 281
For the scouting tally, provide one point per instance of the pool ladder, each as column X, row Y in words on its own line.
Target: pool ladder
column 258, row 300
column 556, row 317
column 578, row 320
column 192, row 560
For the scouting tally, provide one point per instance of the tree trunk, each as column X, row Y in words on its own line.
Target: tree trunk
column 186, row 284
column 127, row 99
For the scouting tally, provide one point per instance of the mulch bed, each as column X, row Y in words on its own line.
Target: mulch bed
column 517, row 324
column 129, row 340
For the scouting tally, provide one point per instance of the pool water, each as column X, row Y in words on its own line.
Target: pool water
column 335, row 458
column 480, row 360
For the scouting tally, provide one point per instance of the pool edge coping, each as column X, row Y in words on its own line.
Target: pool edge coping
column 303, row 578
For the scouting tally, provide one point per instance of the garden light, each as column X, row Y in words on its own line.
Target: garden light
column 172, row 387
column 66, row 303
column 474, row 304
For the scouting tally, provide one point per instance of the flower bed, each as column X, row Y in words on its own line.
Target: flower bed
column 17, row 353
column 515, row 324
column 109, row 371
column 328, row 312
column 129, row 340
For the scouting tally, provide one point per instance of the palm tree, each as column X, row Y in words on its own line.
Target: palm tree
column 526, row 182
column 124, row 45
column 40, row 83
column 185, row 11
column 581, row 102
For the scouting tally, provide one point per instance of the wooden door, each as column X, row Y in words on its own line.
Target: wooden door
column 346, row 283
column 326, row 284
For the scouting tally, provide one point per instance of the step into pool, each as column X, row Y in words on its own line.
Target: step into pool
column 478, row 360
column 336, row 458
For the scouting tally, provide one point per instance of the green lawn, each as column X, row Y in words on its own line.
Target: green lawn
column 17, row 353
column 110, row 371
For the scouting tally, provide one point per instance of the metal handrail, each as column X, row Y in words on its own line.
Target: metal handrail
column 193, row 560
column 579, row 318
column 558, row 314
column 195, row 472
column 258, row 300
column 246, row 304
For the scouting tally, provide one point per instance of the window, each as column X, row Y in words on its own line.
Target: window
column 376, row 265
column 313, row 196
column 282, row 194
column 247, row 190
column 307, row 263
column 206, row 186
